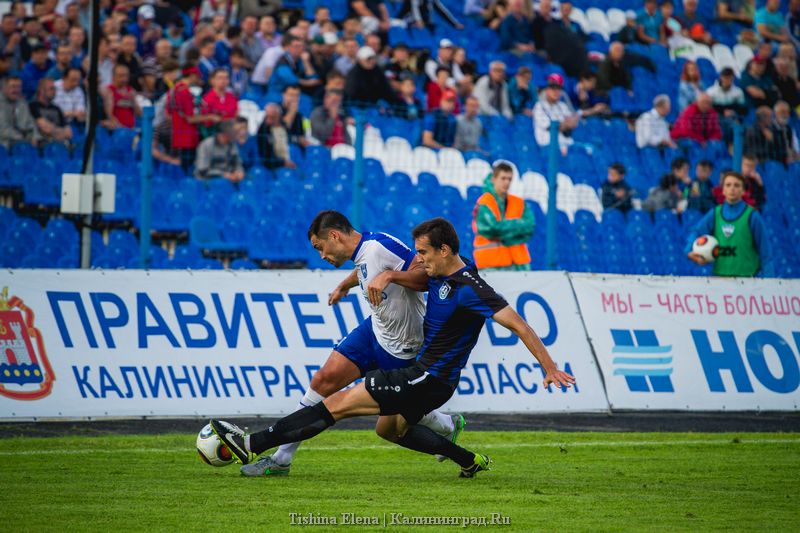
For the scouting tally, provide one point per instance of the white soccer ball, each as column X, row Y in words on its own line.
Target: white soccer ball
column 212, row 450
column 707, row 247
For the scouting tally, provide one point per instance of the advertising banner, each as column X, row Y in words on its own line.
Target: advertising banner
column 694, row 343
column 174, row 343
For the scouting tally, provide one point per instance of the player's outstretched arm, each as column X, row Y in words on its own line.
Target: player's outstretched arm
column 510, row 319
column 414, row 278
column 343, row 288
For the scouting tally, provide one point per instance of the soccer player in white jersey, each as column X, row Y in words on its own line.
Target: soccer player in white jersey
column 390, row 279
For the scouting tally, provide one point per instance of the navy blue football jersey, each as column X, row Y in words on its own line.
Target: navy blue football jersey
column 457, row 307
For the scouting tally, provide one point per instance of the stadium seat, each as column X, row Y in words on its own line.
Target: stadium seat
column 616, row 19
column 204, row 234
column 742, row 54
column 243, row 264
column 598, row 22
column 425, row 160
column 723, row 57
column 345, row 151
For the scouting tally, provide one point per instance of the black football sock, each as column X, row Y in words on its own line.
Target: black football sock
column 422, row 439
column 300, row 425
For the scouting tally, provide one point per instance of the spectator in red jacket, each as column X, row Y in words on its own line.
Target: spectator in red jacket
column 698, row 122
column 220, row 100
column 183, row 119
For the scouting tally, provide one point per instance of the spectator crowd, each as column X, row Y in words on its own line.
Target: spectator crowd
column 198, row 62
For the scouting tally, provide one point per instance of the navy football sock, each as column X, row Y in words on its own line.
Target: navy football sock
column 300, row 425
column 422, row 439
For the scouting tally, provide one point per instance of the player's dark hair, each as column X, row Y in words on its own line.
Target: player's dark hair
column 750, row 157
column 328, row 220
column 501, row 167
column 706, row 163
column 439, row 232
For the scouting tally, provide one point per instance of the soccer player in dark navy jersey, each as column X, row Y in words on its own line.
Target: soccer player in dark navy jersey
column 459, row 302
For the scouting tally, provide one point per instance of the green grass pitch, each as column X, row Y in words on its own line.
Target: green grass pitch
column 539, row 482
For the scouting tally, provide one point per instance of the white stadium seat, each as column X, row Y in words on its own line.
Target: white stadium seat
column 579, row 17
column 702, row 50
column 477, row 170
column 424, row 161
column 587, row 199
column 534, row 187
column 743, row 55
column 598, row 22
column 452, row 170
column 393, row 143
column 723, row 57
column 397, row 156
column 254, row 115
column 343, row 150
column 616, row 19
column 373, row 144
column 565, row 196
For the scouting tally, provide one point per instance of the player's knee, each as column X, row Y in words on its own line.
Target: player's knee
column 324, row 383
column 388, row 432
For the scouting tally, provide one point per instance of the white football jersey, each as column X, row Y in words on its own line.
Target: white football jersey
column 397, row 321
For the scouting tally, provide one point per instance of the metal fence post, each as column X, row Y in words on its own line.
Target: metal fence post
column 738, row 146
column 552, row 182
column 146, row 172
column 358, row 171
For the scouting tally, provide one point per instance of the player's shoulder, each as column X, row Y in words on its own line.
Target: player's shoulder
column 378, row 242
column 469, row 277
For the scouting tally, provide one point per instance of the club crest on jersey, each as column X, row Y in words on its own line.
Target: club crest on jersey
column 728, row 229
column 444, row 290
column 363, row 267
column 25, row 371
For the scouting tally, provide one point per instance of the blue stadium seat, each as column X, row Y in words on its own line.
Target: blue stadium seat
column 204, row 234
column 56, row 152
column 243, row 264
column 124, row 239
column 613, row 217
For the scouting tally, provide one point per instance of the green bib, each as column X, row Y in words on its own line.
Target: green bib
column 737, row 251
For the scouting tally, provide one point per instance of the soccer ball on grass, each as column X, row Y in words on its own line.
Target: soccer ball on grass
column 212, row 450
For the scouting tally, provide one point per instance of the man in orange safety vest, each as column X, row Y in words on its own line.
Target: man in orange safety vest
column 502, row 224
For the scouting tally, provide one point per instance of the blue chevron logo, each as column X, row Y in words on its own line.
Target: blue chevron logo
column 644, row 364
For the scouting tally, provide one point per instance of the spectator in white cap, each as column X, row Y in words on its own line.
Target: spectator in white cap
column 146, row 31
column 366, row 84
column 444, row 58
column 627, row 34
column 551, row 107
